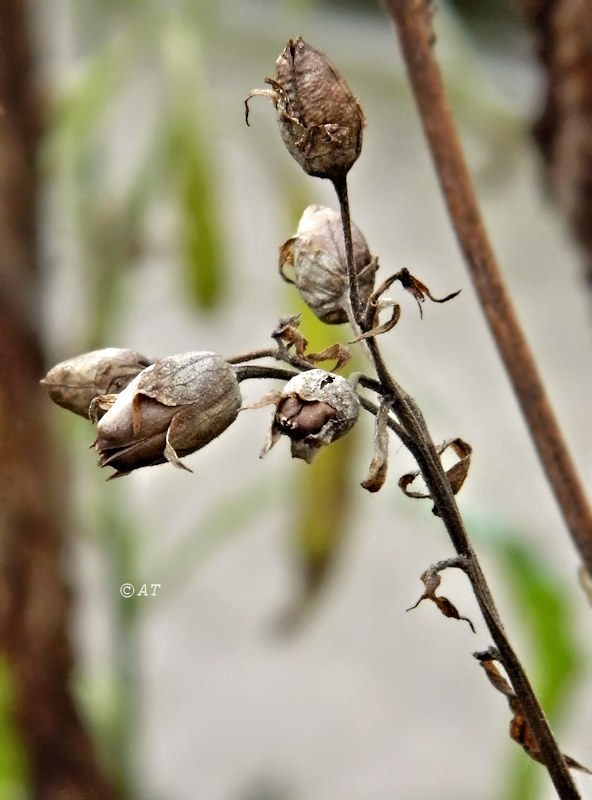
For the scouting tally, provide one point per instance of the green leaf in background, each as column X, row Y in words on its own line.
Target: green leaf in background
column 545, row 610
column 13, row 768
column 201, row 239
column 192, row 170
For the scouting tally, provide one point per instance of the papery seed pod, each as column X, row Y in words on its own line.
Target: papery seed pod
column 317, row 256
column 173, row 408
column 75, row 383
column 314, row 409
column 319, row 117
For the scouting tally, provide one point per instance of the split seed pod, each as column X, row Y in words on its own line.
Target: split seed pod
column 74, row 384
column 173, row 408
column 314, row 409
column 317, row 256
column 319, row 117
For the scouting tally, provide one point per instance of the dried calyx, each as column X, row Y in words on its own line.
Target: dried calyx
column 74, row 384
column 314, row 409
column 316, row 256
column 173, row 408
column 319, row 117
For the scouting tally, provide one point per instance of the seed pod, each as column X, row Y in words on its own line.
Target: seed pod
column 75, row 383
column 317, row 256
column 319, row 117
column 173, row 408
column 314, row 409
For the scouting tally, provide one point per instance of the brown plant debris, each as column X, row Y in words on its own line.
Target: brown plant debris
column 456, row 474
column 431, row 580
column 287, row 335
column 519, row 730
column 412, row 285
column 379, row 464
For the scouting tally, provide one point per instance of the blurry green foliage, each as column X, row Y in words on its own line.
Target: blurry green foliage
column 544, row 607
column 13, row 766
column 175, row 159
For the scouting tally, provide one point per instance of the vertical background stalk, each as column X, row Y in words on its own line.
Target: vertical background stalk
column 413, row 22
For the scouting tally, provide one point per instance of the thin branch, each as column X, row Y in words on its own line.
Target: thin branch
column 413, row 21
column 418, row 441
column 340, row 185
column 246, row 372
column 253, row 355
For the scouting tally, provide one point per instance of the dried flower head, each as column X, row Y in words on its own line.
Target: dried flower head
column 317, row 256
column 173, row 408
column 314, row 409
column 319, row 117
column 74, row 384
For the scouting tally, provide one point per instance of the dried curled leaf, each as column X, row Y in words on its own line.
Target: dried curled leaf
column 431, row 580
column 456, row 474
column 384, row 328
column 379, row 464
column 520, row 731
column 288, row 335
column 338, row 351
column 412, row 285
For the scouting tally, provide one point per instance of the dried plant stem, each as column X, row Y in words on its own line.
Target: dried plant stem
column 416, row 437
column 413, row 21
column 340, row 185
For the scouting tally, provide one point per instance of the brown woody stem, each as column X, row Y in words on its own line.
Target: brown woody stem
column 417, row 439
column 413, row 21
column 340, row 185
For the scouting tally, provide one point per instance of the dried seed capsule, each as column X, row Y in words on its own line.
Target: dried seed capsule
column 319, row 117
column 173, row 408
column 317, row 256
column 75, row 383
column 314, row 409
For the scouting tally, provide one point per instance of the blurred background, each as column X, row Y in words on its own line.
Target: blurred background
column 275, row 660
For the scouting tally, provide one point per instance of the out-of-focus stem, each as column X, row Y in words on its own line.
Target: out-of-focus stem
column 413, row 22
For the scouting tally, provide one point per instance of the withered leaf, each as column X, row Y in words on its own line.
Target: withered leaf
column 412, row 285
column 338, row 351
column 384, row 328
column 520, row 731
column 419, row 290
column 456, row 474
column 431, row 580
column 288, row 334
column 378, row 466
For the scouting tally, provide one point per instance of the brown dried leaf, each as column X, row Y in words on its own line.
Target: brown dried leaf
column 412, row 285
column 431, row 580
column 456, row 474
column 520, row 731
column 384, row 328
column 337, row 351
column 288, row 334
column 379, row 464
column 419, row 290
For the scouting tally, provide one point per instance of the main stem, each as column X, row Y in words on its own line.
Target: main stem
column 413, row 21
column 420, row 444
